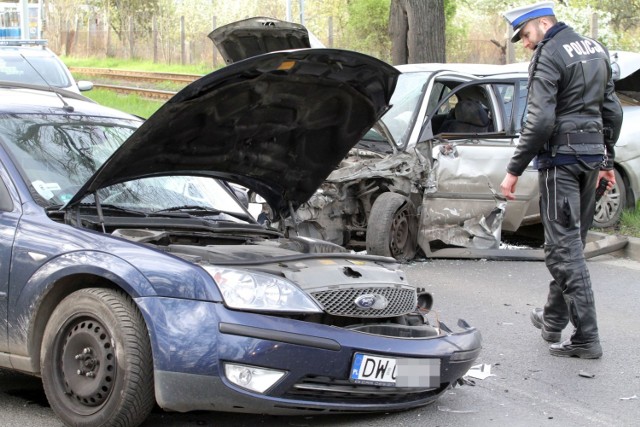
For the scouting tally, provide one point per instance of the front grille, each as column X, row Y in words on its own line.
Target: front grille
column 324, row 389
column 341, row 302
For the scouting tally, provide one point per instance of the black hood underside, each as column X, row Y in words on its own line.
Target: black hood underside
column 277, row 124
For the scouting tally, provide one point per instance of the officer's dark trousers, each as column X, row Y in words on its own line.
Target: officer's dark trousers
column 567, row 203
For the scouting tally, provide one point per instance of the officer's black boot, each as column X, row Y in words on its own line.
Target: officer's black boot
column 554, row 317
column 591, row 350
column 584, row 341
column 548, row 334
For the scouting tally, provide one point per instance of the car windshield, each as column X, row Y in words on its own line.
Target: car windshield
column 405, row 103
column 58, row 154
column 15, row 68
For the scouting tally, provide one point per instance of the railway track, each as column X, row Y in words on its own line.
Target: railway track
column 139, row 91
column 139, row 77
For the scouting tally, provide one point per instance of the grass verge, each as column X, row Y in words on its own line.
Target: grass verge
column 128, row 103
column 136, row 65
column 630, row 223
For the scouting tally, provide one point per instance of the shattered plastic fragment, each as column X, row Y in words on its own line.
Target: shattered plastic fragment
column 456, row 411
column 466, row 381
column 586, row 374
column 480, row 372
column 629, row 398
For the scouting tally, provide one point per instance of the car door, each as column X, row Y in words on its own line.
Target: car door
column 468, row 166
column 9, row 215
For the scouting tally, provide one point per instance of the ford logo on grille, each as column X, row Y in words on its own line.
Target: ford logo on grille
column 371, row 301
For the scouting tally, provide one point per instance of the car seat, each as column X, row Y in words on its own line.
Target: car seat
column 470, row 117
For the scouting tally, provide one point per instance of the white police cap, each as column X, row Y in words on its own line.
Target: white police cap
column 521, row 15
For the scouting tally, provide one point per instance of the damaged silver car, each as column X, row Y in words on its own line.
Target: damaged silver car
column 428, row 172
column 427, row 175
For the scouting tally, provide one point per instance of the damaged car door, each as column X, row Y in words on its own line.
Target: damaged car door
column 462, row 205
column 372, row 199
column 428, row 173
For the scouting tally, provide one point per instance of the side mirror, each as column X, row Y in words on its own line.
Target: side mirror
column 84, row 85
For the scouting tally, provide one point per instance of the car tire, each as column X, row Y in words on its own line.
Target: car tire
column 392, row 227
column 96, row 360
column 610, row 206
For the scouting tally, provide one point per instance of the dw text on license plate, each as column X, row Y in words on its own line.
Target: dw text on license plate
column 395, row 372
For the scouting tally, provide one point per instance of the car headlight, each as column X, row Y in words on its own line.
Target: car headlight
column 263, row 292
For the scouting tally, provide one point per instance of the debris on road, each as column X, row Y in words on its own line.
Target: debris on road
column 586, row 374
column 624, row 398
column 480, row 372
column 457, row 411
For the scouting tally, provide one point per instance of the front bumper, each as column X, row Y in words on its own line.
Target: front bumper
column 191, row 340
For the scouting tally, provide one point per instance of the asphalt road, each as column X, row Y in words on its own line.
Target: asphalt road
column 529, row 387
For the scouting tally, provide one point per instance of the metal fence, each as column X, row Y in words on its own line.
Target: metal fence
column 179, row 47
column 154, row 45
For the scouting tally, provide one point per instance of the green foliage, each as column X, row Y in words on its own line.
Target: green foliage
column 475, row 29
column 624, row 13
column 478, row 32
column 128, row 103
column 142, row 12
column 630, row 223
column 368, row 27
column 450, row 7
column 136, row 65
column 580, row 19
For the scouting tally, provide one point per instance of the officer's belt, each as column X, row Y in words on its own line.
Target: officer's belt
column 577, row 138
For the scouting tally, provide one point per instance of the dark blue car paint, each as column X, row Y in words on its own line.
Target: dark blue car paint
column 8, row 223
column 184, row 321
column 187, row 345
column 192, row 332
column 61, row 252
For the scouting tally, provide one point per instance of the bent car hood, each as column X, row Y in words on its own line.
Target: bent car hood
column 626, row 72
column 255, row 36
column 277, row 124
column 624, row 63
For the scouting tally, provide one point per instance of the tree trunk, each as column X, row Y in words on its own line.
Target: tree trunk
column 417, row 30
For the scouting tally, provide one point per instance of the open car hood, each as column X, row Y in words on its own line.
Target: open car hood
column 277, row 124
column 255, row 36
column 626, row 72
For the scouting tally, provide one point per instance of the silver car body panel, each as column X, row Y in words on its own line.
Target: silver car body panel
column 453, row 180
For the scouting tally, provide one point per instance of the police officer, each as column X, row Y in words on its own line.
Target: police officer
column 573, row 122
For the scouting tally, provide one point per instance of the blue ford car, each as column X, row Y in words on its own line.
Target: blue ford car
column 131, row 274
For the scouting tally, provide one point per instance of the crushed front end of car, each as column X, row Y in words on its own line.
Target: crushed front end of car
column 304, row 327
column 140, row 277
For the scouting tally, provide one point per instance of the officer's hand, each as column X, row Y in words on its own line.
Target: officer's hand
column 610, row 176
column 508, row 186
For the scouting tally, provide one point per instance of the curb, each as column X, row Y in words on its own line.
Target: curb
column 630, row 251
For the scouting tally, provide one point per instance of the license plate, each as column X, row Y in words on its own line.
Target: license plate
column 395, row 372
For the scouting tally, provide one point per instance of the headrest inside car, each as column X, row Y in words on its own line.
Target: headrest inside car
column 471, row 112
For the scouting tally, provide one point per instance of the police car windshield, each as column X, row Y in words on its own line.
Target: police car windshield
column 15, row 68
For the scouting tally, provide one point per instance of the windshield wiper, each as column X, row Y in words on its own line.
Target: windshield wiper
column 107, row 207
column 195, row 210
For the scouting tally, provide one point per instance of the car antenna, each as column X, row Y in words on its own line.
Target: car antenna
column 66, row 107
